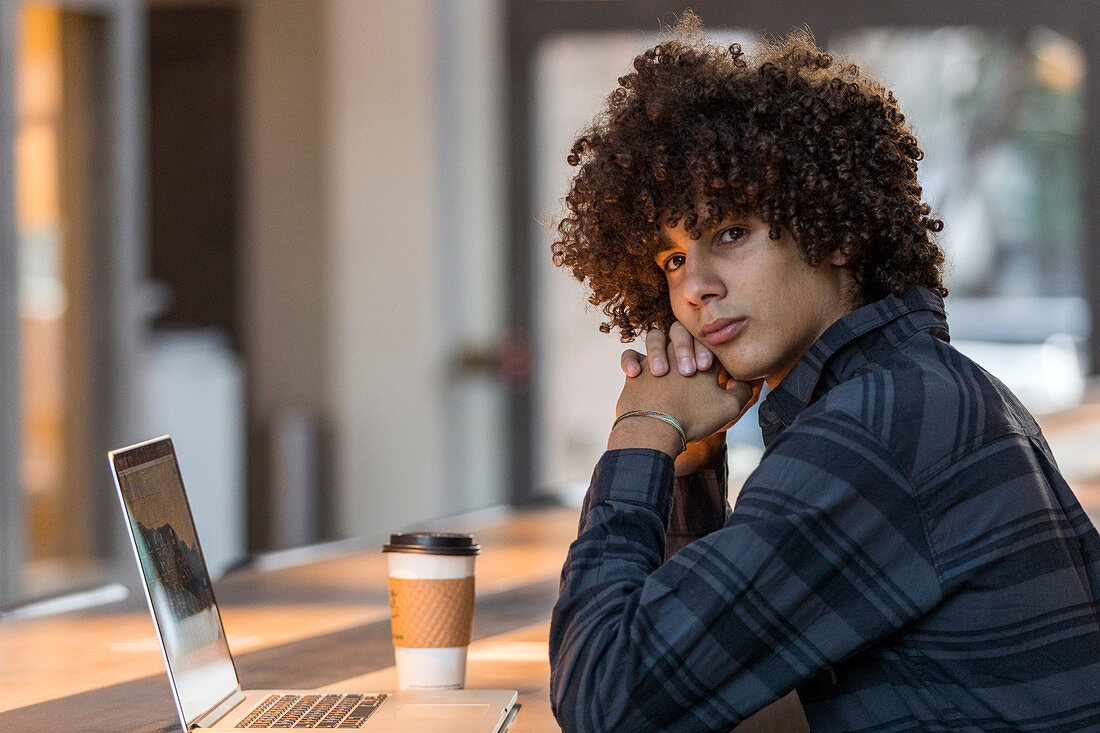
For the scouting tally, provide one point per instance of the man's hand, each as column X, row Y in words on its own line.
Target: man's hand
column 690, row 355
column 705, row 403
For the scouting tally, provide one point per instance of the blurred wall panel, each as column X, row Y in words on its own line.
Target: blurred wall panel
column 388, row 365
column 372, row 254
column 285, row 246
column 470, row 253
column 416, row 263
column 12, row 506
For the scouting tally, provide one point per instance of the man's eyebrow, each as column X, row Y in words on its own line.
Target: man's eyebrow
column 663, row 242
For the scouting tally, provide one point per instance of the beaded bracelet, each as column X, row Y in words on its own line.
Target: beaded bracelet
column 662, row 416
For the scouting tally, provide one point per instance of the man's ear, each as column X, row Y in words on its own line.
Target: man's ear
column 837, row 258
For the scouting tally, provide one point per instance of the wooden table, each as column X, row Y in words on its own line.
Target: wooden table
column 325, row 624
column 320, row 625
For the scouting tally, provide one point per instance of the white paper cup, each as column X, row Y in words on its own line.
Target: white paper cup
column 431, row 579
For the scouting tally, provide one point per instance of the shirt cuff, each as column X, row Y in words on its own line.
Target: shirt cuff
column 635, row 475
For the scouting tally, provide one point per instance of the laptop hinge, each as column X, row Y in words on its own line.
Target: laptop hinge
column 214, row 714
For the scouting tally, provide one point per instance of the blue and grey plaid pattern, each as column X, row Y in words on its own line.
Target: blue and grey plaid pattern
column 907, row 556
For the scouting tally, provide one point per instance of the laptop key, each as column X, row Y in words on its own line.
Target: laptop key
column 267, row 712
column 257, row 712
column 356, row 718
column 296, row 712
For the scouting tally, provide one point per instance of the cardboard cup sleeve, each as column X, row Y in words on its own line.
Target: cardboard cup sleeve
column 432, row 613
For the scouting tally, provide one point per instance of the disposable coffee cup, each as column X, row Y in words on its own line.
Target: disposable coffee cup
column 431, row 577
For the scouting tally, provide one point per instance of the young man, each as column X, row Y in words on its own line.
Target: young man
column 907, row 555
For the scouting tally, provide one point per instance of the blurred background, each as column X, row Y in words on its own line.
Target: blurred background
column 307, row 238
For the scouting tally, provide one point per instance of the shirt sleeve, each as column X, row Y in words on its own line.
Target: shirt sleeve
column 699, row 506
column 824, row 554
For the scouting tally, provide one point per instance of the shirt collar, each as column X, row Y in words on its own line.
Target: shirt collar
column 827, row 362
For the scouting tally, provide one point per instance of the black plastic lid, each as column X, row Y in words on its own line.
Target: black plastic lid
column 433, row 543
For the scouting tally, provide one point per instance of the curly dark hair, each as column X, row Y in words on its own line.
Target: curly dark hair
column 698, row 133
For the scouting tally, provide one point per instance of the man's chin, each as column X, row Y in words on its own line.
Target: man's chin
column 740, row 371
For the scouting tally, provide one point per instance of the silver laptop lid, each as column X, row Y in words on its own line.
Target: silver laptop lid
column 177, row 584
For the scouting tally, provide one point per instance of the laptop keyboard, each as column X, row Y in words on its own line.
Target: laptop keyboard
column 312, row 711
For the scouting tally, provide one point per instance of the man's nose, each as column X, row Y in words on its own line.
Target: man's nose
column 701, row 282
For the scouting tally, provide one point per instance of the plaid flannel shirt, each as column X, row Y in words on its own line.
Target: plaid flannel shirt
column 906, row 555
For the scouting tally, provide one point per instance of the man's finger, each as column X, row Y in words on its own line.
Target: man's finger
column 631, row 362
column 752, row 389
column 703, row 358
column 683, row 344
column 655, row 342
column 741, row 391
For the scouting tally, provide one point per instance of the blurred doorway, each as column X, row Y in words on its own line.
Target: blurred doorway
column 196, row 377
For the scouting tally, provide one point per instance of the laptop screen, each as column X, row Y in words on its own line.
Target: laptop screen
column 177, row 583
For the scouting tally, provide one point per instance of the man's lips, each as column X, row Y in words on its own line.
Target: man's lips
column 722, row 330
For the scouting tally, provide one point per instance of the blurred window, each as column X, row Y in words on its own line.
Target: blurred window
column 58, row 548
column 73, row 159
column 1000, row 117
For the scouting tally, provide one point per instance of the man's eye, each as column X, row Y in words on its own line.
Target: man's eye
column 674, row 262
column 733, row 234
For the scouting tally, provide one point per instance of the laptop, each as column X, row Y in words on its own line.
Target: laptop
column 203, row 678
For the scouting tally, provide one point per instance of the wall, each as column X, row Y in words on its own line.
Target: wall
column 385, row 391
column 373, row 243
column 471, row 256
column 284, row 250
column 415, row 258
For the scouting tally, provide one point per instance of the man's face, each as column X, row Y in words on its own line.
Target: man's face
column 752, row 300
